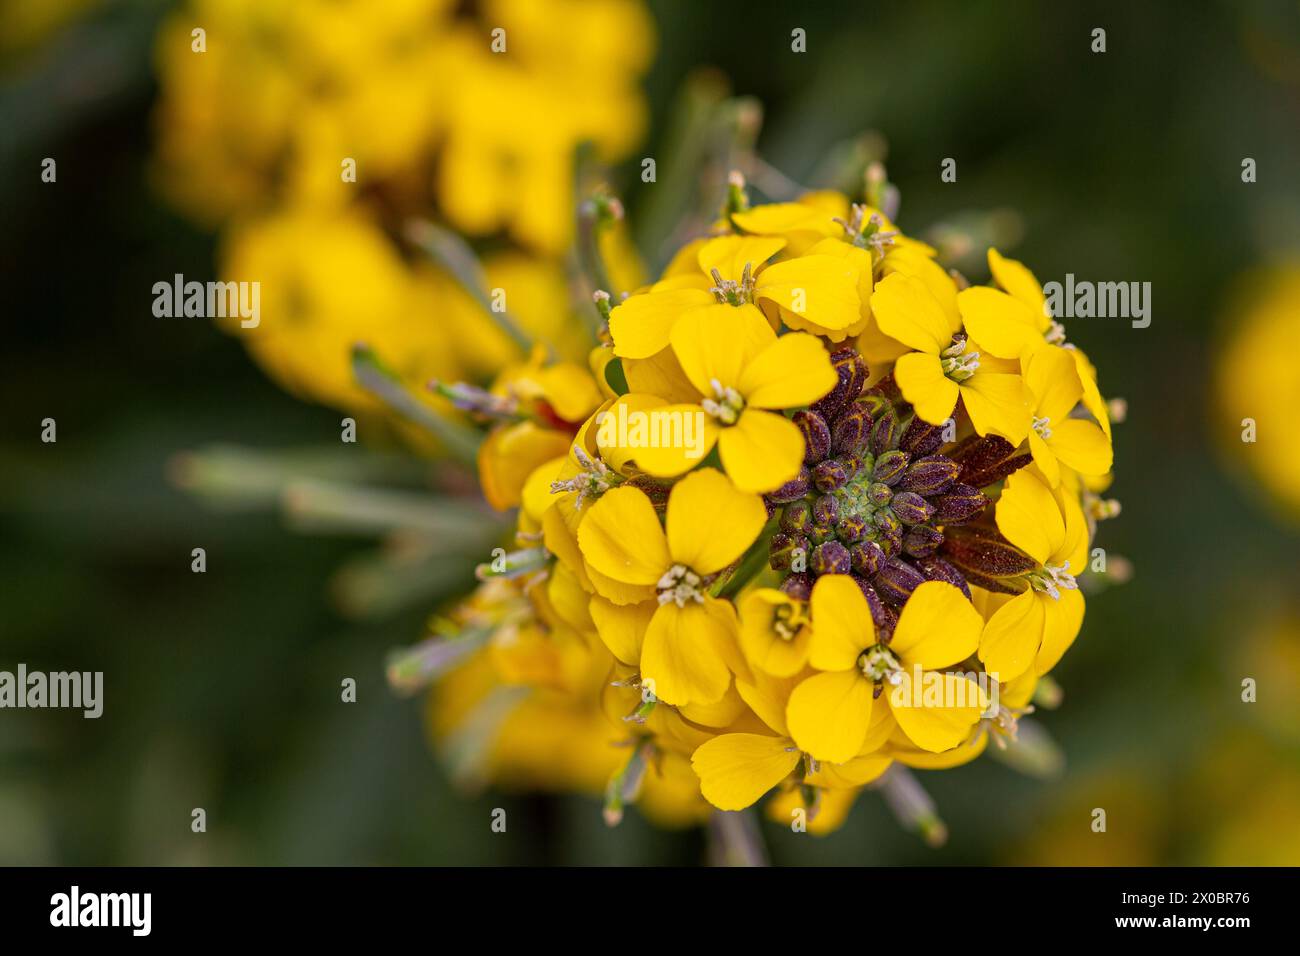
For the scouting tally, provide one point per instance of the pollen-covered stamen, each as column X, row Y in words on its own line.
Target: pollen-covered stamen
column 1055, row 334
column 726, row 404
column 679, row 585
column 788, row 620
column 594, row 480
column 1042, row 426
column 1005, row 724
column 1052, row 579
column 731, row 292
column 866, row 233
column 956, row 362
column 879, row 664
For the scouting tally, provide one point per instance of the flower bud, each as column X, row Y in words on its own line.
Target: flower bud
column 830, row 557
column 826, row 509
column 884, row 430
column 929, row 476
column 960, row 503
column 851, row 529
column 881, row 615
column 936, row 569
column 829, row 475
column 816, row 435
column 856, row 464
column 851, row 430
column 792, row 490
column 920, row 438
column 922, row 541
column 867, row 558
column 888, row 522
column 896, row 580
column 890, row 466
column 782, row 549
column 797, row 518
column 986, row 552
column 911, row 508
column 879, row 493
column 891, row 540
column 798, row 586
column 851, row 372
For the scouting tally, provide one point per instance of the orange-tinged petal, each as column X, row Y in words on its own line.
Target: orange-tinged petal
column 842, row 626
column 921, row 380
column 829, row 714
column 621, row 538
column 710, row 521
column 762, row 451
column 937, row 628
column 736, row 769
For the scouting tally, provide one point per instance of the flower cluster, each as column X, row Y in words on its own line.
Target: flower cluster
column 838, row 531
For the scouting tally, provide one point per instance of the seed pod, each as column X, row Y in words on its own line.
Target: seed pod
column 851, row 529
column 922, row 541
column 781, row 551
column 890, row 467
column 816, row 435
column 867, row 558
column 884, row 430
column 829, row 475
column 896, row 580
column 987, row 460
column 797, row 518
column 936, row 569
column 920, row 438
column 911, row 508
column 794, row 489
column 851, row 375
column 959, row 503
column 851, row 430
column 826, row 509
column 830, row 557
column 798, row 586
column 929, row 476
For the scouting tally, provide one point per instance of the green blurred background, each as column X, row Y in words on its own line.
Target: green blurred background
column 222, row 688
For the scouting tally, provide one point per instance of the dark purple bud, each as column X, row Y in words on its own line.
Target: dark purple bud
column 851, row 529
column 890, row 540
column 783, row 548
column 911, row 508
column 851, row 430
column 830, row 557
column 959, row 503
column 884, row 430
column 890, row 467
column 853, row 465
column 922, row 541
column 882, row 616
column 816, row 435
column 820, row 533
column 984, row 461
column 920, row 438
column 936, row 569
column 888, row 523
column 867, row 558
column 986, row 552
column 792, row 490
column 797, row 517
column 826, row 509
column 879, row 493
column 896, row 580
column 829, row 475
column 929, row 476
column 798, row 586
column 851, row 375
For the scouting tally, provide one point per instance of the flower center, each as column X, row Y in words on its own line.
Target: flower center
column 1055, row 334
column 679, row 585
column 866, row 233
column 726, row 404
column 788, row 620
column 731, row 292
column 593, row 481
column 956, row 362
column 879, row 664
column 1051, row 579
column 1041, row 425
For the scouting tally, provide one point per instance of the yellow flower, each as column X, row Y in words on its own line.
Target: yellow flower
column 732, row 270
column 688, row 650
column 1008, row 323
column 774, row 631
column 1034, row 628
column 943, row 368
column 830, row 713
column 1055, row 437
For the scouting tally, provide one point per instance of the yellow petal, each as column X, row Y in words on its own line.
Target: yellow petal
column 921, row 380
column 762, row 451
column 793, row 371
column 779, row 218
column 1062, row 620
column 997, row 404
column 675, row 440
column 622, row 628
column 767, row 697
column 842, row 625
column 730, row 254
column 938, row 627
column 1045, row 459
column 823, row 289
column 1053, row 380
column 710, row 521
column 714, row 343
column 906, row 310
column 941, row 727
column 660, row 374
column 829, row 714
column 683, row 657
column 641, row 324
column 1002, row 325
column 1028, row 516
column 736, row 769
column 626, row 408
column 569, row 389
column 621, row 538
column 1082, row 445
column 763, row 647
column 1017, row 280
column 1012, row 635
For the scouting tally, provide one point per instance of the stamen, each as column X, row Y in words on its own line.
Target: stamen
column 878, row 663
column 726, row 404
column 1051, row 579
column 1040, row 425
column 594, row 480
column 1055, row 334
column 679, row 585
column 956, row 363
